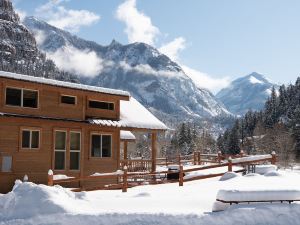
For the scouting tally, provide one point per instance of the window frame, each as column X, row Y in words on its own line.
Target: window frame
column 111, row 145
column 78, row 151
column 22, row 97
column 66, row 104
column 30, row 129
column 96, row 100
column 60, row 150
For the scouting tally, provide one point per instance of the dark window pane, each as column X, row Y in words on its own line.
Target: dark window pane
column 101, row 105
column 59, row 160
column 60, row 140
column 106, row 146
column 75, row 141
column 68, row 100
column 35, row 139
column 30, row 99
column 13, row 96
column 74, row 160
column 96, row 145
column 25, row 139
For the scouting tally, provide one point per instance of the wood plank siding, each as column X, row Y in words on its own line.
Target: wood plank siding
column 36, row 162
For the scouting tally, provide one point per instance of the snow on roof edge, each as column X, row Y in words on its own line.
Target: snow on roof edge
column 127, row 135
column 42, row 80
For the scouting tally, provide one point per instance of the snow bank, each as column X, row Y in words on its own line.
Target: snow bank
column 263, row 169
column 61, row 177
column 251, row 158
column 28, row 200
column 229, row 175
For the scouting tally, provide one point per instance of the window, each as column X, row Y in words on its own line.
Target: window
column 101, row 105
column 30, row 139
column 75, row 150
column 101, row 145
column 60, row 150
column 22, row 97
column 65, row 99
column 6, row 164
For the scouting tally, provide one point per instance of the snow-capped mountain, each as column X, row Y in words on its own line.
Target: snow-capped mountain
column 18, row 49
column 151, row 77
column 249, row 92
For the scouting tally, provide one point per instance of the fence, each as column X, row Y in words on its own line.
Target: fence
column 128, row 179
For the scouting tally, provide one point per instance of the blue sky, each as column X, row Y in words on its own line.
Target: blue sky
column 217, row 40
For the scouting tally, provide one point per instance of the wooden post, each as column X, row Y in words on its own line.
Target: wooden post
column 229, row 164
column 25, row 178
column 219, row 156
column 242, row 153
column 195, row 158
column 166, row 161
column 125, row 150
column 154, row 150
column 179, row 159
column 273, row 160
column 50, row 178
column 180, row 175
column 199, row 158
column 125, row 184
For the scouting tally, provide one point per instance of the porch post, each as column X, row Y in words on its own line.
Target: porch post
column 154, row 150
column 125, row 150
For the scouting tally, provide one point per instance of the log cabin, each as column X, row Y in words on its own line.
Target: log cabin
column 73, row 129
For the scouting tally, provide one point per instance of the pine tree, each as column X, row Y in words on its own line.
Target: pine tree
column 296, row 131
column 233, row 140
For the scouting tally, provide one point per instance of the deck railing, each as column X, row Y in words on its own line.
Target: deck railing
column 130, row 179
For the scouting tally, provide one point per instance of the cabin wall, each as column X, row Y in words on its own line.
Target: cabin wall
column 50, row 106
column 36, row 163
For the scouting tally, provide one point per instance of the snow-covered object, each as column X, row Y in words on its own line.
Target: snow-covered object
column 127, row 135
column 251, row 158
column 61, row 177
column 58, row 83
column 273, row 174
column 133, row 114
column 249, row 92
column 228, row 176
column 263, row 169
column 118, row 172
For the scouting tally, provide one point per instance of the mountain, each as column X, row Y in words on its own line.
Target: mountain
column 18, row 49
column 249, row 92
column 156, row 81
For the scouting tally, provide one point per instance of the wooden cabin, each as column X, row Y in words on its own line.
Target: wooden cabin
column 73, row 129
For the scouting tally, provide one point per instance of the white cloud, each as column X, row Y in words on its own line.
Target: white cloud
column 139, row 27
column 173, row 48
column 68, row 19
column 22, row 14
column 203, row 80
column 84, row 62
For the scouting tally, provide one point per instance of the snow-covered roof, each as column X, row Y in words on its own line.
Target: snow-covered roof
column 133, row 115
column 58, row 83
column 127, row 135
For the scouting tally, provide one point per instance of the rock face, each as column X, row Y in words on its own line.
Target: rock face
column 18, row 49
column 151, row 77
column 245, row 93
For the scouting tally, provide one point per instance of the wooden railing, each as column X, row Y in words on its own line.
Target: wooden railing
column 135, row 165
column 130, row 179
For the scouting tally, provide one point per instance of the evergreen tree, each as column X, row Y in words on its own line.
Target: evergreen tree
column 233, row 140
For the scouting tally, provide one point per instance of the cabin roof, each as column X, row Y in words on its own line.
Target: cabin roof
column 42, row 80
column 133, row 115
column 127, row 136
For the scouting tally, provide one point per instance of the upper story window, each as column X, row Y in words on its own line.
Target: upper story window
column 101, row 105
column 21, row 97
column 67, row 99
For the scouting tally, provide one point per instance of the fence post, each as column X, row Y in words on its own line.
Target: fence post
column 199, row 158
column 179, row 159
column 229, row 164
column 166, row 161
column 273, row 160
column 195, row 158
column 242, row 153
column 180, row 175
column 219, row 156
column 50, row 178
column 125, row 184
column 25, row 178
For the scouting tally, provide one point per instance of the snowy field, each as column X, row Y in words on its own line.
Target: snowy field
column 29, row 203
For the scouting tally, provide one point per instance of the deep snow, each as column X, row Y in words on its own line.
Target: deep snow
column 29, row 203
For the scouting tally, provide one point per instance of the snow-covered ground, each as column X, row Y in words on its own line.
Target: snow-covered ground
column 29, row 203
